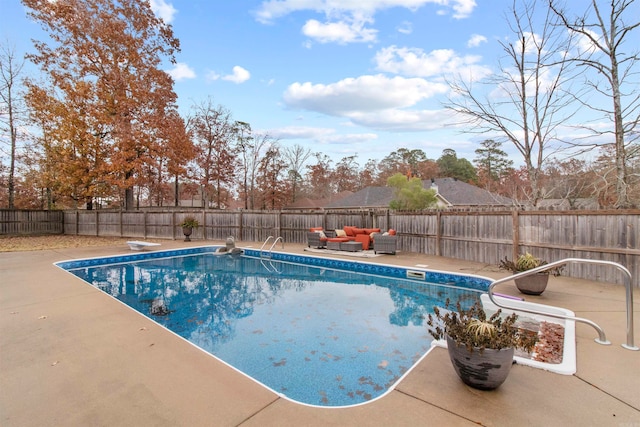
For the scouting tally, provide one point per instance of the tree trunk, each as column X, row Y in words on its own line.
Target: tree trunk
column 128, row 199
column 176, row 191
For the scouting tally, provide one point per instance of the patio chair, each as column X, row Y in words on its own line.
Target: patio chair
column 315, row 240
column 386, row 244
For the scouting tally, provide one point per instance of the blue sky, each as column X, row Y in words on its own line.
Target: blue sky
column 342, row 77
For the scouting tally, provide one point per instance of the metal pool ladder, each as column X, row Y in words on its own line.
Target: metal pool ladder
column 267, row 254
column 602, row 339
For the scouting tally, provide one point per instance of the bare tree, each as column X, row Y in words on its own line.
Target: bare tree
column 261, row 145
column 613, row 53
column 244, row 142
column 10, row 110
column 529, row 97
column 295, row 156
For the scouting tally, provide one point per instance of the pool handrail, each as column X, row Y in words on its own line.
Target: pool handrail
column 276, row 239
column 602, row 339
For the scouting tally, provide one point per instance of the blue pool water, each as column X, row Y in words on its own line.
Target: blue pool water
column 321, row 332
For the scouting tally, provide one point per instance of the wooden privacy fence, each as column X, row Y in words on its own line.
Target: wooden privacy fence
column 14, row 222
column 481, row 236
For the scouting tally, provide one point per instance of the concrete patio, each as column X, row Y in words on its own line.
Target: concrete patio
column 71, row 355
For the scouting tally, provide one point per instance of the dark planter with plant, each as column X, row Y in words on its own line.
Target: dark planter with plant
column 481, row 349
column 534, row 284
column 188, row 225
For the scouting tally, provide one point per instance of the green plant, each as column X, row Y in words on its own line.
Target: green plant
column 526, row 262
column 472, row 328
column 190, row 222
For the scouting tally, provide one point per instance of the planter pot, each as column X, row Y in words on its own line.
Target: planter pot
column 187, row 232
column 534, row 284
column 484, row 371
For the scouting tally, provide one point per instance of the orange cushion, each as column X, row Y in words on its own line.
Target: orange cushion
column 349, row 230
column 357, row 231
column 315, row 229
column 365, row 240
column 392, row 232
column 371, row 230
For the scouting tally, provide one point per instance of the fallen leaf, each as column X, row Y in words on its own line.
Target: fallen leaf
column 42, row 317
column 55, row 363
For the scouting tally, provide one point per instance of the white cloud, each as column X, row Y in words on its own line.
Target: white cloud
column 239, row 75
column 374, row 101
column 404, row 120
column 271, row 10
column 212, row 75
column 320, row 135
column 476, row 40
column 362, row 94
column 181, row 71
column 405, row 28
column 299, row 132
column 437, row 63
column 346, row 20
column 462, row 8
column 339, row 32
column 163, row 10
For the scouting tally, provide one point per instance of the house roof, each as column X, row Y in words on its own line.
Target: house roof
column 459, row 193
column 449, row 191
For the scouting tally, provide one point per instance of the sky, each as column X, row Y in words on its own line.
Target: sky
column 341, row 77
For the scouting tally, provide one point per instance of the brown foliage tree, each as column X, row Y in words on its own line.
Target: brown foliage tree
column 103, row 61
column 213, row 133
column 319, row 180
column 273, row 188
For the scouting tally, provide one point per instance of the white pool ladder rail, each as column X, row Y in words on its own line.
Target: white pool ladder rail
column 267, row 254
column 602, row 339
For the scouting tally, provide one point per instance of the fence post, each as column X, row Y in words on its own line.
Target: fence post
column 204, row 224
column 173, row 225
column 516, row 234
column 438, row 232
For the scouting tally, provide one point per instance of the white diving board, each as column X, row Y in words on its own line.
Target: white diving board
column 136, row 245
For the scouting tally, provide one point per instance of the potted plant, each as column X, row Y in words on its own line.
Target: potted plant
column 187, row 227
column 481, row 348
column 534, row 284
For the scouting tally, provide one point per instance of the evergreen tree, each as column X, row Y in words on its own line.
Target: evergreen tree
column 492, row 163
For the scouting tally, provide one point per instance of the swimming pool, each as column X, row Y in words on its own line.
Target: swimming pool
column 319, row 331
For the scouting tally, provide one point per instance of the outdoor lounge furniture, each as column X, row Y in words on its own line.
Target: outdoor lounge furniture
column 386, row 244
column 351, row 246
column 315, row 240
column 334, row 243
